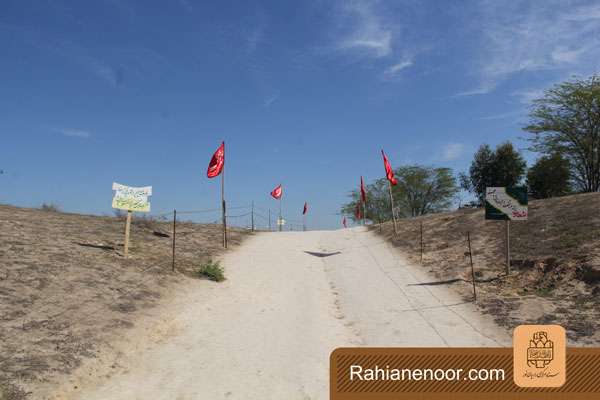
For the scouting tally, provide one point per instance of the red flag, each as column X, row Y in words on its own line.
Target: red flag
column 357, row 212
column 305, row 210
column 277, row 192
column 217, row 162
column 389, row 172
column 344, row 222
column 363, row 192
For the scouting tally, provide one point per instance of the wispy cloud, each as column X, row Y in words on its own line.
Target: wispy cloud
column 270, row 100
column 483, row 89
column 452, row 151
column 75, row 133
column 253, row 30
column 505, row 115
column 526, row 96
column 521, row 37
column 365, row 33
column 396, row 68
column 109, row 74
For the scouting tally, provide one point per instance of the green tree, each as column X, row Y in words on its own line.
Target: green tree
column 423, row 190
column 566, row 120
column 420, row 190
column 502, row 167
column 550, row 176
column 378, row 202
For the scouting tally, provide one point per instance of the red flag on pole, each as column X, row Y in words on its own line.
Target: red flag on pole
column 389, row 172
column 305, row 210
column 344, row 222
column 363, row 192
column 357, row 213
column 277, row 192
column 215, row 167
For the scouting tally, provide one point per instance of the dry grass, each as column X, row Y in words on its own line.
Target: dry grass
column 555, row 258
column 66, row 290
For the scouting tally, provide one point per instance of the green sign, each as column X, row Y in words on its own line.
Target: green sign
column 506, row 203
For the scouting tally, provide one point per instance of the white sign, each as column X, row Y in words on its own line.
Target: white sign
column 280, row 221
column 506, row 203
column 131, row 198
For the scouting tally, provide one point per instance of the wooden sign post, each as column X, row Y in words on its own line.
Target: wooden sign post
column 127, row 230
column 130, row 199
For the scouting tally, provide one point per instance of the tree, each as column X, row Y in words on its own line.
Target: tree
column 480, row 173
column 501, row 167
column 420, row 190
column 378, row 202
column 423, row 190
column 550, row 176
column 566, row 120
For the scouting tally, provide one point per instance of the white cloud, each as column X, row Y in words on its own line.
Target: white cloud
column 77, row 133
column 520, row 37
column 526, row 96
column 396, row 68
column 367, row 34
column 270, row 100
column 483, row 89
column 452, row 151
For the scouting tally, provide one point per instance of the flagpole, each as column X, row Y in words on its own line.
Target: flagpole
column 280, row 223
column 223, row 202
column 392, row 203
column 364, row 213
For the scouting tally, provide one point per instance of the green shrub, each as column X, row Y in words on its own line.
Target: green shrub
column 211, row 270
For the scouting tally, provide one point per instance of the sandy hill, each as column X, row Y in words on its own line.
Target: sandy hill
column 66, row 289
column 555, row 262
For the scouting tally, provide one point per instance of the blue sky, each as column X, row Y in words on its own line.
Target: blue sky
column 304, row 93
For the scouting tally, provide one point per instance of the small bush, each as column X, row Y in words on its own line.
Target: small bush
column 211, row 270
column 50, row 207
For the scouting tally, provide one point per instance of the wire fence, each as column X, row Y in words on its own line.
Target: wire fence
column 251, row 217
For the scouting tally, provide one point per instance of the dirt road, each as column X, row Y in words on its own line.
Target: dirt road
column 267, row 332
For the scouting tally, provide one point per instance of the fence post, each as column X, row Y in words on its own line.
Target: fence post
column 174, row 229
column 253, row 216
column 472, row 270
column 269, row 220
column 421, row 242
column 507, row 247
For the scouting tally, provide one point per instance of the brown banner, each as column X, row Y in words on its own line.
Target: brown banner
column 463, row 373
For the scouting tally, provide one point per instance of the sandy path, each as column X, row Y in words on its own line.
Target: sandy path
column 267, row 331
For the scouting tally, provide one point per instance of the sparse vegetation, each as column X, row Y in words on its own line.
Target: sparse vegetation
column 554, row 258
column 11, row 392
column 149, row 222
column 50, row 207
column 212, row 270
column 45, row 256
